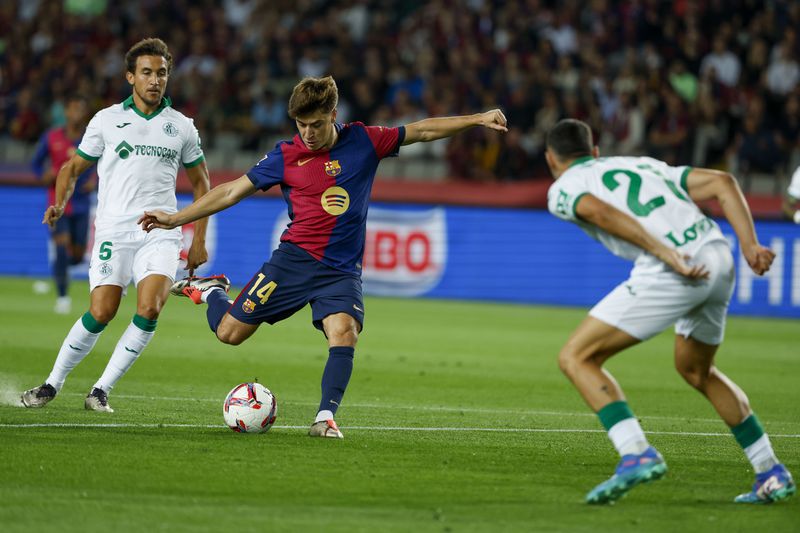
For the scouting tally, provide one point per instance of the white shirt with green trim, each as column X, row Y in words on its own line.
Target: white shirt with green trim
column 647, row 189
column 794, row 186
column 139, row 157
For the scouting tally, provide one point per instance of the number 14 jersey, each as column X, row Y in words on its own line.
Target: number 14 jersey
column 649, row 190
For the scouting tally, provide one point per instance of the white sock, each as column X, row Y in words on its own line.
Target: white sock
column 761, row 455
column 323, row 415
column 77, row 345
column 128, row 349
column 628, row 437
column 204, row 294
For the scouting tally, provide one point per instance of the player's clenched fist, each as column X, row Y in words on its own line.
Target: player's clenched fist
column 494, row 119
column 759, row 258
column 51, row 215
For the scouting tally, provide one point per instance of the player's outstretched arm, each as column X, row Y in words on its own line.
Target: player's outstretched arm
column 431, row 129
column 65, row 186
column 198, row 254
column 706, row 184
column 615, row 222
column 217, row 199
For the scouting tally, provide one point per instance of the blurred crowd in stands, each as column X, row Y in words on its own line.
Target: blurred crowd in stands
column 703, row 82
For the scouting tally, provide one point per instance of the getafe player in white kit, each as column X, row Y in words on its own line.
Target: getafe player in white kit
column 790, row 205
column 139, row 145
column 643, row 209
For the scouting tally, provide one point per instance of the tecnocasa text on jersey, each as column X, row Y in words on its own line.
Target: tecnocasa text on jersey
column 157, row 151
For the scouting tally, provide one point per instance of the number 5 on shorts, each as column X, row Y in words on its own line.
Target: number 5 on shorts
column 105, row 251
column 264, row 292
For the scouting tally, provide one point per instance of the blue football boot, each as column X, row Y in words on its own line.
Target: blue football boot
column 631, row 470
column 771, row 486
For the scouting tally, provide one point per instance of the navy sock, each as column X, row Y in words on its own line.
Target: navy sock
column 218, row 305
column 336, row 376
column 60, row 270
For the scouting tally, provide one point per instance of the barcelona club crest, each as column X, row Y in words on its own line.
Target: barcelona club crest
column 248, row 306
column 333, row 168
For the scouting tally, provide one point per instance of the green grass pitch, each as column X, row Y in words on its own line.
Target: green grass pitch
column 456, row 419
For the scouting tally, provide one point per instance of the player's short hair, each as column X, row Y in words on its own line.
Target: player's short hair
column 312, row 95
column 570, row 139
column 147, row 47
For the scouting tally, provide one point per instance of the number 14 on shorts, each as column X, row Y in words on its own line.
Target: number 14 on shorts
column 265, row 291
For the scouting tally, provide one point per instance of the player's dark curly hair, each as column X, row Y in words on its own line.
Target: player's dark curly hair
column 312, row 95
column 147, row 47
column 570, row 139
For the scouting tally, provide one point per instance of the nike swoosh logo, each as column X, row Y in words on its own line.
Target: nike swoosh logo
column 123, row 124
column 304, row 161
column 74, row 348
column 132, row 351
column 357, row 308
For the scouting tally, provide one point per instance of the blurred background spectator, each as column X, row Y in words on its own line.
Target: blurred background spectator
column 702, row 82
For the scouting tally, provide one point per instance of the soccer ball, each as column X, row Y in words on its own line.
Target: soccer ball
column 250, row 408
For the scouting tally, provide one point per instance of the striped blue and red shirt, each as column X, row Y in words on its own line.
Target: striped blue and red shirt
column 58, row 148
column 327, row 192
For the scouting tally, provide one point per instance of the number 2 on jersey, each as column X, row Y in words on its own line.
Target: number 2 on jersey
column 637, row 208
column 264, row 292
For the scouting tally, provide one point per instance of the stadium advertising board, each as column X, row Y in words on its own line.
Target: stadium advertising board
column 405, row 250
column 511, row 255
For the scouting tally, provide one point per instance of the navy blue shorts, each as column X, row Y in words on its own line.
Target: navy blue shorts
column 76, row 225
column 291, row 279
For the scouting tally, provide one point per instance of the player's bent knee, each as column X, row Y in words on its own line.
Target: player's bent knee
column 226, row 338
column 230, row 336
column 103, row 315
column 344, row 337
column 695, row 375
column 149, row 312
column 567, row 361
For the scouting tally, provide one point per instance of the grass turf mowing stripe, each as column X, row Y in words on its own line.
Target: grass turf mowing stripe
column 376, row 428
column 442, row 408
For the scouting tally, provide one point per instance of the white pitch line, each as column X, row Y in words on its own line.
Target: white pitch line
column 378, row 428
column 434, row 408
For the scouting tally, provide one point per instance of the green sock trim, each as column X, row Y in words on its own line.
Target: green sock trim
column 748, row 431
column 91, row 324
column 144, row 324
column 613, row 413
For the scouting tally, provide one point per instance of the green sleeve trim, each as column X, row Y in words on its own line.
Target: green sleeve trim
column 195, row 162
column 683, row 178
column 575, row 204
column 144, row 324
column 86, row 156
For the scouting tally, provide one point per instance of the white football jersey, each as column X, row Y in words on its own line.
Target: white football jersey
column 794, row 186
column 647, row 189
column 139, row 157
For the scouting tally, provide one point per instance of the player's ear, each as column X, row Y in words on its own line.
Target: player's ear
column 333, row 115
column 548, row 156
column 130, row 77
column 596, row 151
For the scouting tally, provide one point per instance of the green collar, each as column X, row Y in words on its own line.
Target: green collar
column 580, row 161
column 129, row 104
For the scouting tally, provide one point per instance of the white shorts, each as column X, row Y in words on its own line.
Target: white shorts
column 647, row 304
column 121, row 257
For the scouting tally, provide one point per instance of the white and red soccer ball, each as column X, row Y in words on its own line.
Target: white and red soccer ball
column 250, row 408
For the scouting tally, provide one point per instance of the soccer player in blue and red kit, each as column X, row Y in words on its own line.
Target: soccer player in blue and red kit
column 58, row 145
column 326, row 174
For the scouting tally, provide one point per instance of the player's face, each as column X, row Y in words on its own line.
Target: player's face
column 150, row 79
column 317, row 130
